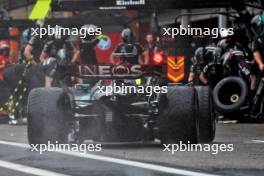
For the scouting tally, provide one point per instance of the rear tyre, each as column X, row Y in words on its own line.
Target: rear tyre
column 206, row 114
column 48, row 120
column 178, row 119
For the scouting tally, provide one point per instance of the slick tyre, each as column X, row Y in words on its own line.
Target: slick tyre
column 48, row 121
column 178, row 116
column 230, row 94
column 206, row 114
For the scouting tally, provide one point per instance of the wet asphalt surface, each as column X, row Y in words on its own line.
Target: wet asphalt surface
column 247, row 158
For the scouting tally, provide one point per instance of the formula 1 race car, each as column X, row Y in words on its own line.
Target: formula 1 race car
column 90, row 111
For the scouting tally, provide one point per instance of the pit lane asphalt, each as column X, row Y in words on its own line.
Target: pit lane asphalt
column 246, row 159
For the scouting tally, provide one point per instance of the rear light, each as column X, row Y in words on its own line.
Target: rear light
column 175, row 68
column 158, row 58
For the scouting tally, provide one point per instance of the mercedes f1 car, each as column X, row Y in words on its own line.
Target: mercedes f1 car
column 88, row 112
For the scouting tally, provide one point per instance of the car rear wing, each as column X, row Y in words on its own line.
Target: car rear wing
column 106, row 72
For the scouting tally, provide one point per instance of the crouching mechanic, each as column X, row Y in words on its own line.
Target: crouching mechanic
column 212, row 72
column 200, row 59
column 240, row 54
column 227, row 54
column 130, row 51
column 57, row 51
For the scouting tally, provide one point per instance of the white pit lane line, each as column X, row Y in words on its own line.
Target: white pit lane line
column 28, row 170
column 258, row 141
column 147, row 166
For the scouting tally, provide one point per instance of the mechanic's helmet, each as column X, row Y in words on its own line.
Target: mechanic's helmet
column 233, row 56
column 89, row 29
column 127, row 35
column 209, row 54
column 25, row 36
column 224, row 44
column 40, row 23
column 4, row 48
column 198, row 56
column 224, row 33
column 257, row 25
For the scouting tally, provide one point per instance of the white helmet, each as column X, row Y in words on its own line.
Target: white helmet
column 40, row 23
column 58, row 35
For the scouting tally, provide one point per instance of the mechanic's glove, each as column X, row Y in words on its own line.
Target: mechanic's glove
column 31, row 60
column 190, row 83
column 138, row 82
column 102, row 37
column 261, row 67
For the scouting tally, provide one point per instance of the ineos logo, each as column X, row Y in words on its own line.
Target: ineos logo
column 111, row 69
